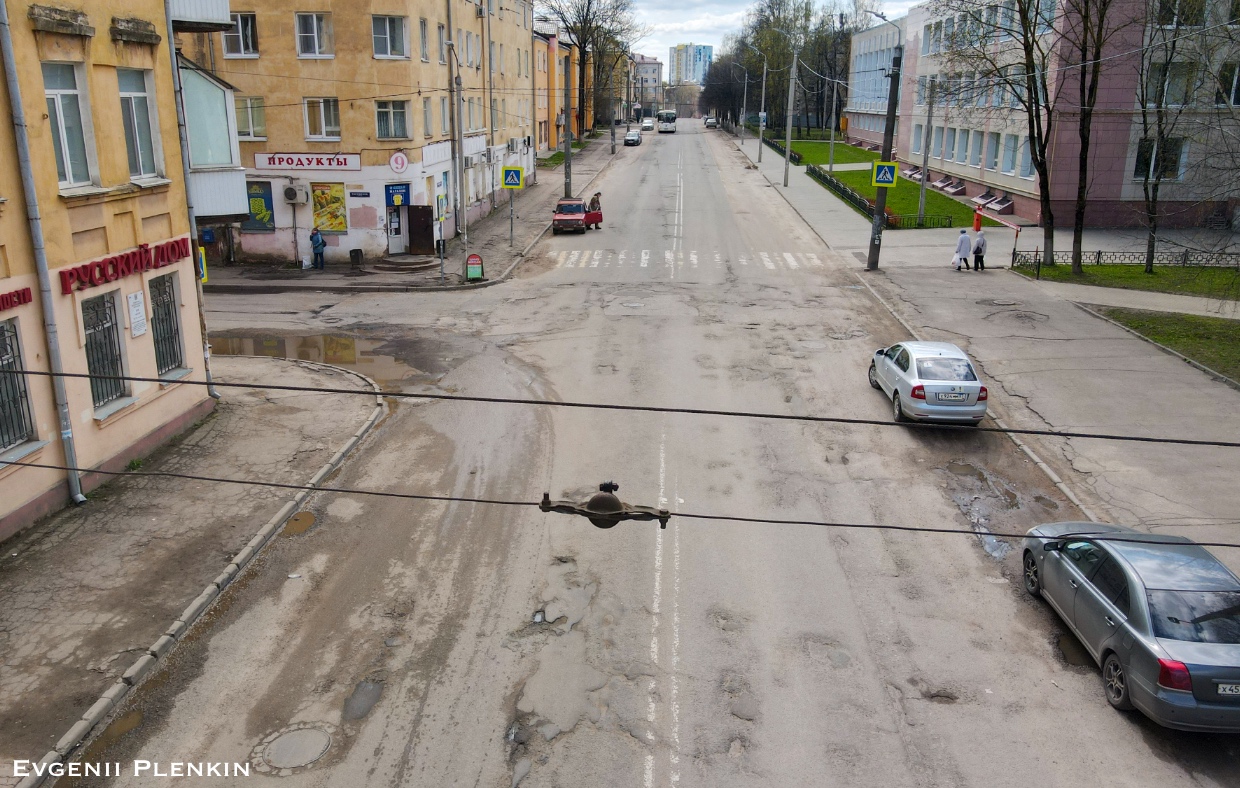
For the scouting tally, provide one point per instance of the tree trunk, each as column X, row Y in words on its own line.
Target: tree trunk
column 1048, row 216
column 1082, row 189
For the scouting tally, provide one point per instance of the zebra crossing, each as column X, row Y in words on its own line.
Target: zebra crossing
column 679, row 259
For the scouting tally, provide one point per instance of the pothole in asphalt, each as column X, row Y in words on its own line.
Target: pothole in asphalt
column 997, row 302
column 293, row 748
column 298, row 524
column 363, row 698
column 1073, row 652
column 633, row 305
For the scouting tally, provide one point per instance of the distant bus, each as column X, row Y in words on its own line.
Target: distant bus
column 667, row 121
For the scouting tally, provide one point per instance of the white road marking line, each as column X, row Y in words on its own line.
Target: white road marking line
column 693, row 259
column 766, row 260
column 792, row 261
column 651, row 707
column 813, row 259
column 680, row 258
column 801, row 257
column 743, row 260
column 645, row 257
column 597, row 257
column 674, row 754
column 718, row 260
column 572, row 260
column 560, row 258
column 622, row 256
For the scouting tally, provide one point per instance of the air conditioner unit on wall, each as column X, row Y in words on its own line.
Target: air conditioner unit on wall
column 296, row 194
column 514, row 145
column 482, row 10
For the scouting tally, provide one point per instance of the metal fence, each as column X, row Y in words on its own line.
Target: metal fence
column 164, row 324
column 103, row 349
column 779, row 148
column 1179, row 257
column 16, row 425
column 910, row 221
column 893, row 221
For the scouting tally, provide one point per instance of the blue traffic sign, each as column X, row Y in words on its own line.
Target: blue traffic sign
column 514, row 178
column 883, row 174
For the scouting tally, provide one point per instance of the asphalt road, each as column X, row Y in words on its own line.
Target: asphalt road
column 478, row 644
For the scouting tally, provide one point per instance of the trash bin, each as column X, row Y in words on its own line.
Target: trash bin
column 355, row 258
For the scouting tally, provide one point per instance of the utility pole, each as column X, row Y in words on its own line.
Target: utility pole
column 792, row 82
column 925, row 154
column 762, row 109
column 744, row 100
column 611, row 77
column 831, row 146
column 568, row 126
column 893, row 94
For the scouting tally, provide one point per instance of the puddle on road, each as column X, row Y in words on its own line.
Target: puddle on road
column 393, row 364
column 1073, row 652
column 299, row 523
column 363, row 698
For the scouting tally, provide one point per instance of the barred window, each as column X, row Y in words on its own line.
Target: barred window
column 103, row 349
column 165, row 324
column 16, row 424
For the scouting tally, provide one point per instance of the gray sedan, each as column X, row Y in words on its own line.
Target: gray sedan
column 1162, row 620
column 932, row 381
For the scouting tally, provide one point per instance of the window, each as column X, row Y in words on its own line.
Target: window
column 949, row 145
column 1178, row 82
column 427, row 120
column 936, row 147
column 103, row 348
column 936, row 38
column 1233, row 17
column 981, row 91
column 314, row 35
column 1196, row 616
column 949, row 31
column 491, row 57
column 1181, row 13
column 921, row 90
column 494, row 114
column 1016, row 93
column 206, row 121
column 391, row 119
column 1161, row 164
column 503, row 113
column 424, row 32
column 992, row 150
column 388, row 33
column 16, row 424
column 975, row 156
column 64, row 114
column 962, row 149
column 927, row 33
column 918, row 131
column 322, row 119
column 242, row 39
column 1228, row 90
column 1110, row 580
column 501, row 58
column 1026, row 159
column 443, row 115
column 1085, row 556
column 251, row 118
column 443, row 45
column 165, row 325
column 1010, row 145
column 136, row 115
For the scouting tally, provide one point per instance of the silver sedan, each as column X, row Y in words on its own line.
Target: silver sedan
column 931, row 381
column 1162, row 620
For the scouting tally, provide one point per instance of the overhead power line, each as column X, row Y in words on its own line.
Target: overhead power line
column 656, row 409
column 917, row 529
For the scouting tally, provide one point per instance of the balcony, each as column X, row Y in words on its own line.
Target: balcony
column 200, row 16
column 218, row 193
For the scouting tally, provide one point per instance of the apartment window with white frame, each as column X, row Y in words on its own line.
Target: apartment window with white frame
column 1178, row 80
column 251, row 118
column 501, row 58
column 1010, row 144
column 1160, row 162
column 392, row 119
column 936, row 147
column 949, row 145
column 65, row 116
column 494, row 114
column 491, row 57
column 314, row 36
column 918, row 131
column 138, row 119
column 975, row 156
column 443, row 44
column 424, row 33
column 322, row 118
column 921, row 89
column 927, row 33
column 993, row 143
column 427, row 120
column 1026, row 159
column 962, row 147
column 443, row 115
column 388, row 34
column 242, row 39
column 503, row 113
column 1181, row 13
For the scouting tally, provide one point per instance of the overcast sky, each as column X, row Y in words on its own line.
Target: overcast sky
column 706, row 22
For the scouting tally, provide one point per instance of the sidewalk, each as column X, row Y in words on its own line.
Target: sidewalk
column 488, row 237
column 1052, row 365
column 87, row 591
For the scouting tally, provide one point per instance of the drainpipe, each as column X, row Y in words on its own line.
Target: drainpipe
column 189, row 202
column 40, row 256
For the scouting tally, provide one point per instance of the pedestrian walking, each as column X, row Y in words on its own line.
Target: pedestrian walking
column 963, row 247
column 317, row 245
column 979, row 251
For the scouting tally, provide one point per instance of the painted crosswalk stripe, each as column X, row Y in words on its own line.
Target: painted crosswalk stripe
column 645, row 257
column 744, row 261
column 766, row 260
column 813, row 259
column 597, row 257
column 572, row 259
column 623, row 254
column 693, row 259
column 560, row 258
column 669, row 258
column 792, row 261
column 718, row 259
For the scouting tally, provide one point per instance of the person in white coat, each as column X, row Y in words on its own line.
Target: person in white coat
column 963, row 247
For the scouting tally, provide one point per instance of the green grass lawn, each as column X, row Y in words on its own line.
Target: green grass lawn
column 1210, row 282
column 903, row 199
column 820, row 152
column 1212, row 341
column 806, row 134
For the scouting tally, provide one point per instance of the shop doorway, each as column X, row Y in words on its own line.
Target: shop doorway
column 397, row 201
column 421, row 229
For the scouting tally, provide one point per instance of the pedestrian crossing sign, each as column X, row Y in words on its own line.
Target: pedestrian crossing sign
column 514, row 178
column 883, row 174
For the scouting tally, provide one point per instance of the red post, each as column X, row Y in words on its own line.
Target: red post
column 977, row 220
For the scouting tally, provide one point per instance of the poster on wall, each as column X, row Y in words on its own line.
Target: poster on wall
column 137, row 314
column 329, row 209
column 262, row 216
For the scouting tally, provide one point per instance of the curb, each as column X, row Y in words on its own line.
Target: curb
column 79, row 733
column 1219, row 376
column 1046, row 469
column 398, row 288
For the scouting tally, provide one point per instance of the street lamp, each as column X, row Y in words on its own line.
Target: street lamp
column 762, row 109
column 744, row 101
column 792, row 81
column 889, row 133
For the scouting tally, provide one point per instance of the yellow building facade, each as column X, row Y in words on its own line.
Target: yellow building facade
column 351, row 119
column 95, row 86
column 553, row 54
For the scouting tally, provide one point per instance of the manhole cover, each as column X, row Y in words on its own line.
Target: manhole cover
column 633, row 305
column 299, row 523
column 998, row 302
column 296, row 749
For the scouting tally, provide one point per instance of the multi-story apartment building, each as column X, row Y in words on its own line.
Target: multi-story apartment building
column 384, row 123
column 103, row 282
column 871, row 52
column 556, row 60
column 978, row 134
column 689, row 63
column 647, row 84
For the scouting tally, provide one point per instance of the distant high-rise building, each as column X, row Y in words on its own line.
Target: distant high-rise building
column 689, row 63
column 647, row 84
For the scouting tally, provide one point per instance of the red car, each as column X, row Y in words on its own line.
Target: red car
column 571, row 214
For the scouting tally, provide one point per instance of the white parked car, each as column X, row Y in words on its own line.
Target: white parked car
column 647, row 124
column 929, row 381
